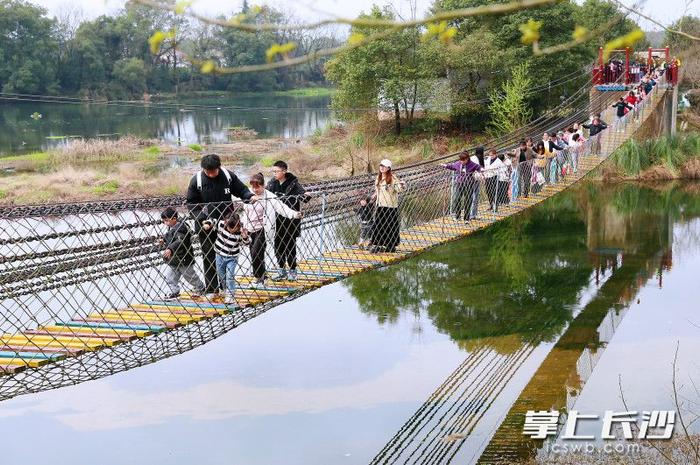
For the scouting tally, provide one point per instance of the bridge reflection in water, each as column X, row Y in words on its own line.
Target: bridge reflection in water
column 530, row 348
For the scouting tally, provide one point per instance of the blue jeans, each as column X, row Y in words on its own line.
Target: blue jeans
column 226, row 269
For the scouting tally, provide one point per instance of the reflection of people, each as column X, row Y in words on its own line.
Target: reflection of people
column 178, row 255
column 287, row 188
column 258, row 219
column 385, row 234
column 214, row 186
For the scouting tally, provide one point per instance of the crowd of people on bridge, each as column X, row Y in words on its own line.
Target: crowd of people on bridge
column 265, row 212
column 271, row 212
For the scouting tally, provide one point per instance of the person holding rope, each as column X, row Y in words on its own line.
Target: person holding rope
column 178, row 255
column 385, row 234
column 259, row 219
column 209, row 195
column 464, row 167
column 287, row 188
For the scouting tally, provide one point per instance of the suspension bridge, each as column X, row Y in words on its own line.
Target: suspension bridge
column 81, row 284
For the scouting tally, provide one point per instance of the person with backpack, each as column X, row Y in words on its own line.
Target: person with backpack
column 209, row 195
column 289, row 190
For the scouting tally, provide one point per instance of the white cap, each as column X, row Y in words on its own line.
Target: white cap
column 386, row 162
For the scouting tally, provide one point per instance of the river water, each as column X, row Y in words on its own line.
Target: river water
column 433, row 360
column 197, row 121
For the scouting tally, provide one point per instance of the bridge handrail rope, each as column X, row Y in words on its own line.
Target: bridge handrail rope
column 64, row 100
column 85, row 292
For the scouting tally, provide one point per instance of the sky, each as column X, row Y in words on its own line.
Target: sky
column 665, row 11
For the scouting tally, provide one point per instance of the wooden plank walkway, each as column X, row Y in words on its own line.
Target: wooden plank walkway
column 32, row 349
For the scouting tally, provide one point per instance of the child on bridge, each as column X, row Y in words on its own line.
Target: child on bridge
column 229, row 238
column 178, row 255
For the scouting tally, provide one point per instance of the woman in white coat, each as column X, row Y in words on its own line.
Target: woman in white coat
column 259, row 220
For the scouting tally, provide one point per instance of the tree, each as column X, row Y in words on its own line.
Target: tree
column 492, row 45
column 28, row 49
column 509, row 109
column 130, row 74
column 594, row 13
column 688, row 24
column 387, row 74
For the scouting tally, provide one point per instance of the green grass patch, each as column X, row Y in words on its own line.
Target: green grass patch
column 195, row 147
column 267, row 162
column 152, row 150
column 62, row 137
column 3, row 194
column 106, row 187
column 306, row 92
column 35, row 157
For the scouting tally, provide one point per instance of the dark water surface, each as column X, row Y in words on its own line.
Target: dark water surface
column 433, row 360
column 196, row 121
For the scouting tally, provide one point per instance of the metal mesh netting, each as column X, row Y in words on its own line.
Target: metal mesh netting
column 84, row 287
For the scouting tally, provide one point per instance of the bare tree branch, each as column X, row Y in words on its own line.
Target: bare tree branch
column 492, row 9
column 649, row 18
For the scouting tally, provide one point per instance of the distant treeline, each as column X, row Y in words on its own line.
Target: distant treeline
column 110, row 57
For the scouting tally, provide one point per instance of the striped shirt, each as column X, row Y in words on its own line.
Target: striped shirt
column 228, row 244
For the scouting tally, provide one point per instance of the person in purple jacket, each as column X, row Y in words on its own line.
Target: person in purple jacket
column 464, row 183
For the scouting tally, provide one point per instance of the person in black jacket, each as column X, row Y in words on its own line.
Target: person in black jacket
column 595, row 128
column 209, row 195
column 621, row 109
column 178, row 255
column 287, row 188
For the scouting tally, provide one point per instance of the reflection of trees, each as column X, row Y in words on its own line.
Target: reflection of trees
column 509, row 279
column 542, row 257
column 305, row 115
column 523, row 275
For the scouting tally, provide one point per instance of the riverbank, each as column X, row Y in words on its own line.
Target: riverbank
column 132, row 167
column 663, row 159
column 84, row 170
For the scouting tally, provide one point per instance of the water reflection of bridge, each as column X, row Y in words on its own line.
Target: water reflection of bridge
column 625, row 250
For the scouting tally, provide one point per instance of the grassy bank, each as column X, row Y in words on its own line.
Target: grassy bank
column 128, row 167
column 669, row 157
column 88, row 170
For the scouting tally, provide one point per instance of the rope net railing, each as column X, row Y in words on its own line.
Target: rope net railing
column 91, row 289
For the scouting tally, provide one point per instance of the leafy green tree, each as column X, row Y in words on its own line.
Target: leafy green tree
column 130, row 74
column 388, row 74
column 28, row 48
column 240, row 48
column 509, row 108
column 595, row 13
column 558, row 24
column 688, row 24
column 473, row 65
